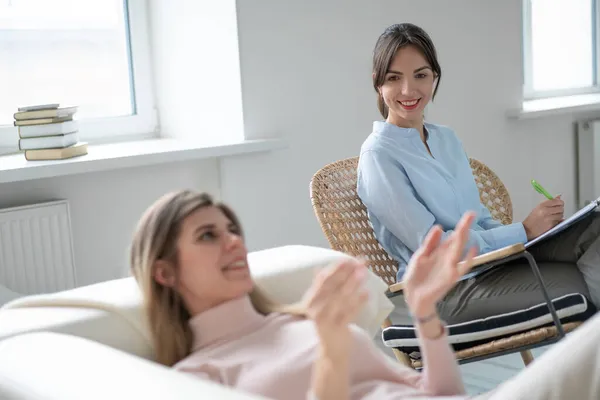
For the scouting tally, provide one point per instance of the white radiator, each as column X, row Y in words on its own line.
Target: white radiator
column 36, row 248
column 588, row 161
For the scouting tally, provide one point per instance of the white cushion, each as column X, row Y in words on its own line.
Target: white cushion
column 286, row 273
column 51, row 366
column 110, row 312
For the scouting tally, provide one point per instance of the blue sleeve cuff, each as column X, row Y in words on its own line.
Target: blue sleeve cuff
column 508, row 235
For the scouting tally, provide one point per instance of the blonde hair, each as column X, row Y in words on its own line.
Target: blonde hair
column 155, row 239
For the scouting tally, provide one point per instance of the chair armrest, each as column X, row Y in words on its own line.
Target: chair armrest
column 495, row 255
column 396, row 287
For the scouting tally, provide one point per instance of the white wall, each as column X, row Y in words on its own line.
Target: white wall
column 105, row 207
column 306, row 73
column 197, row 70
column 306, row 76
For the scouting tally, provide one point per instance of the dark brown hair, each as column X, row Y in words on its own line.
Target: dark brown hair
column 390, row 41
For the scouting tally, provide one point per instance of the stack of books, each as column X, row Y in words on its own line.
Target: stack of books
column 49, row 132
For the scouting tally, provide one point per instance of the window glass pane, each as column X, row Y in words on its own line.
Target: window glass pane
column 72, row 52
column 562, row 54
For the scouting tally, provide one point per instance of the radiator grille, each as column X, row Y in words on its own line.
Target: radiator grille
column 36, row 248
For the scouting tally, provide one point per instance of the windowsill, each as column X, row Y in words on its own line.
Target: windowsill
column 104, row 157
column 556, row 106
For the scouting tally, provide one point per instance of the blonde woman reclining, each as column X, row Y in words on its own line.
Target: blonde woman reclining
column 207, row 319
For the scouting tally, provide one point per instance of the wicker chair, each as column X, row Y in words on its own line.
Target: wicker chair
column 344, row 221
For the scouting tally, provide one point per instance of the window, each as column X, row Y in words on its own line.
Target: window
column 560, row 48
column 90, row 53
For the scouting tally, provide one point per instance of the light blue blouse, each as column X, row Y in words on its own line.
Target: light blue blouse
column 407, row 191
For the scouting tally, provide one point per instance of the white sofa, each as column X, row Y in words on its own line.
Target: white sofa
column 91, row 342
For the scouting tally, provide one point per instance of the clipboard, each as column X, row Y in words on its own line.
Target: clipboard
column 578, row 216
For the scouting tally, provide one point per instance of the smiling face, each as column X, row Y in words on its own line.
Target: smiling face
column 212, row 264
column 407, row 87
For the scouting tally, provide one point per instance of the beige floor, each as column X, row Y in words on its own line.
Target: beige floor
column 485, row 375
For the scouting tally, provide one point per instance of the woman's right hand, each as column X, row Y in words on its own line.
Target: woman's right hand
column 544, row 217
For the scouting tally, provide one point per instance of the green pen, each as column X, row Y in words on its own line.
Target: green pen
column 538, row 188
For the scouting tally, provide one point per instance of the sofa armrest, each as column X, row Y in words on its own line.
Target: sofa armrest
column 110, row 312
column 52, row 366
column 91, row 323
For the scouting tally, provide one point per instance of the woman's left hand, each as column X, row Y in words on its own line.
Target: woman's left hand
column 333, row 301
column 435, row 268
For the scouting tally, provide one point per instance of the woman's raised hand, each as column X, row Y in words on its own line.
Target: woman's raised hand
column 435, row 267
column 333, row 301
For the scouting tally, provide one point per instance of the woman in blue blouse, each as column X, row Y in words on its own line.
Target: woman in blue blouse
column 413, row 175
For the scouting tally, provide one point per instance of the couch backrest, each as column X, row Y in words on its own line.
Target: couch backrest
column 110, row 312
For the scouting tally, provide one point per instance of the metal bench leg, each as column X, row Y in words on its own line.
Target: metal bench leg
column 538, row 275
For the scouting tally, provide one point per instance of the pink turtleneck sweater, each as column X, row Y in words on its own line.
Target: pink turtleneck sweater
column 273, row 356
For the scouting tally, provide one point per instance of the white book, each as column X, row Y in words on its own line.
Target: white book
column 61, row 128
column 61, row 112
column 39, row 107
column 48, row 142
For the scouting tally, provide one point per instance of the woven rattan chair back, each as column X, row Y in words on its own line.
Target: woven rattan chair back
column 344, row 220
column 492, row 192
column 343, row 217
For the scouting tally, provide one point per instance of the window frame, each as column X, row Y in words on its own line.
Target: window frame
column 528, row 92
column 143, row 123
